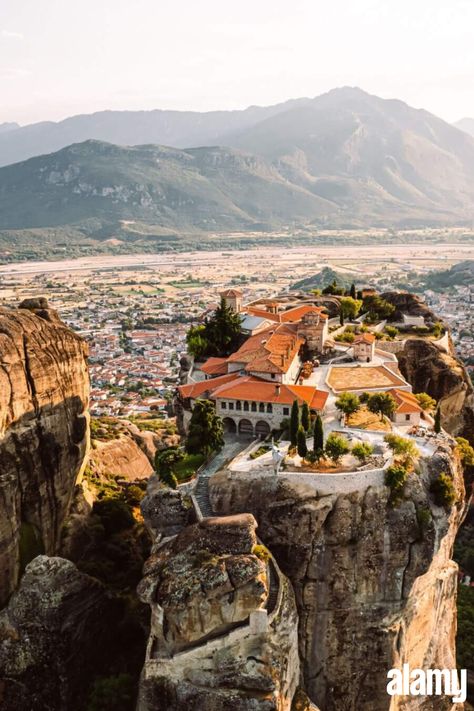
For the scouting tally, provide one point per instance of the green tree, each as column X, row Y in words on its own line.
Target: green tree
column 443, row 490
column 437, row 422
column 377, row 308
column 350, row 307
column 402, row 447
column 425, row 401
column 318, row 437
column 206, row 432
column 348, row 403
column 165, row 462
column 222, row 330
column 301, row 442
column 336, row 447
column 362, row 450
column 381, row 404
column 294, row 423
column 353, row 292
column 218, row 336
column 466, row 452
column 196, row 341
column 305, row 417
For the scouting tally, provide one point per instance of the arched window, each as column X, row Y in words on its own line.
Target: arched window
column 269, row 407
column 261, row 407
column 246, row 406
column 254, row 407
column 238, row 405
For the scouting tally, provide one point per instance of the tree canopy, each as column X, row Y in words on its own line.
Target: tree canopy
column 348, row 403
column 206, row 432
column 336, row 447
column 381, row 404
column 218, row 336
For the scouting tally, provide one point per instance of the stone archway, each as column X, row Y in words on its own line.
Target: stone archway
column 262, row 429
column 229, row 424
column 245, row 427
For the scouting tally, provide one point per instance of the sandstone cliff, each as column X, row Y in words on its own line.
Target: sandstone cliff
column 53, row 635
column 433, row 369
column 222, row 637
column 44, row 389
column 374, row 584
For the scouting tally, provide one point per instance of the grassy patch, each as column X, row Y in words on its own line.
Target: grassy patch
column 187, row 467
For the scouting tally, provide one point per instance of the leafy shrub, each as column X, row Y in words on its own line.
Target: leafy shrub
column 443, row 490
column 336, row 447
column 261, row 552
column 391, row 331
column 466, row 452
column 395, row 478
column 362, row 451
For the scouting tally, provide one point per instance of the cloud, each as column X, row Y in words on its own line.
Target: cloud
column 12, row 35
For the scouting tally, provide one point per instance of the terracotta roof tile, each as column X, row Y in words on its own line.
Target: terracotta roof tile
column 195, row 390
column 258, row 390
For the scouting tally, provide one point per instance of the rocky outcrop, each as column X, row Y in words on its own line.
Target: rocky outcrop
column 429, row 368
column 120, row 457
column 374, row 584
column 44, row 388
column 166, row 511
column 410, row 304
column 219, row 639
column 52, row 636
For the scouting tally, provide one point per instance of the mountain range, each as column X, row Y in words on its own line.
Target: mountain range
column 467, row 125
column 343, row 159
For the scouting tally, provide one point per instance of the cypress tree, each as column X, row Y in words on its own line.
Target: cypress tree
column 301, row 442
column 341, row 317
column 353, row 291
column 305, row 417
column 318, row 441
column 437, row 422
column 294, row 423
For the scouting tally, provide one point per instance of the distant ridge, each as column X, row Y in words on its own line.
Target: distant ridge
column 345, row 159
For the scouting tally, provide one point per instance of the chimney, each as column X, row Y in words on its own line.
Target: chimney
column 277, row 390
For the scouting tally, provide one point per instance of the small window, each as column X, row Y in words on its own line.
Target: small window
column 231, row 405
column 238, row 405
column 407, row 417
column 224, row 405
column 286, row 411
column 273, row 376
column 246, row 406
column 269, row 407
column 261, row 407
column 254, row 407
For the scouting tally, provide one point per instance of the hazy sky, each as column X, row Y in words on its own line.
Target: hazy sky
column 62, row 57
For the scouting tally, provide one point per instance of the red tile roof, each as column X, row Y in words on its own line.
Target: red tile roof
column 270, row 351
column 215, row 366
column 365, row 338
column 231, row 292
column 195, row 390
column 406, row 402
column 298, row 312
column 258, row 390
